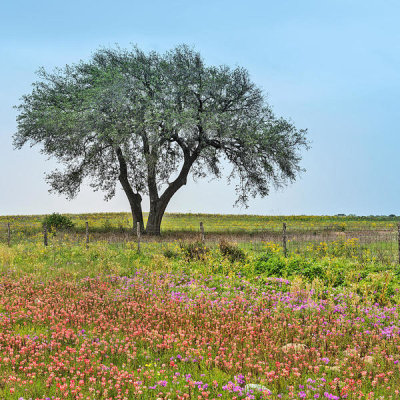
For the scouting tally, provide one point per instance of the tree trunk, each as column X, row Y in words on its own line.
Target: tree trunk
column 159, row 205
column 135, row 199
column 156, row 213
column 136, row 209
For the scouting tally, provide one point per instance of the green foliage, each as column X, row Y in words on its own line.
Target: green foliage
column 336, row 227
column 336, row 264
column 275, row 265
column 194, row 250
column 270, row 265
column 232, row 252
column 58, row 222
column 168, row 253
column 106, row 225
column 376, row 280
column 312, row 271
column 148, row 120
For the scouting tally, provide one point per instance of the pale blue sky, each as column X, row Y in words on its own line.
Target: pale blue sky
column 331, row 66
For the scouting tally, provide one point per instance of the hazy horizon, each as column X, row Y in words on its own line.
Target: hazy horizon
column 145, row 213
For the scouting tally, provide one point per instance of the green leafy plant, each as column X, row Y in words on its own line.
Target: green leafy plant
column 57, row 221
column 194, row 250
column 308, row 268
column 231, row 251
column 270, row 265
column 168, row 253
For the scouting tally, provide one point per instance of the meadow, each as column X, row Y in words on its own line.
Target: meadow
column 173, row 224
column 184, row 320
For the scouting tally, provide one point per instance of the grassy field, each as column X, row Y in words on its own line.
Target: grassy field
column 214, row 223
column 376, row 237
column 182, row 321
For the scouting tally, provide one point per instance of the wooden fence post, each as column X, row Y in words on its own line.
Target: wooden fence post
column 45, row 235
column 203, row 239
column 8, row 234
column 284, row 239
column 398, row 239
column 87, row 234
column 138, row 236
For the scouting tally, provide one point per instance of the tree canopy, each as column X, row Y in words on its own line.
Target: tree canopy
column 151, row 120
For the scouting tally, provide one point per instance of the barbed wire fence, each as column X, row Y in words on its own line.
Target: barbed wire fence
column 382, row 245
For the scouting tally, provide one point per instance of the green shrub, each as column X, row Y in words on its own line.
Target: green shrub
column 296, row 264
column 260, row 265
column 58, row 222
column 194, row 250
column 312, row 271
column 309, row 269
column 231, row 251
column 168, row 253
column 106, row 225
column 271, row 266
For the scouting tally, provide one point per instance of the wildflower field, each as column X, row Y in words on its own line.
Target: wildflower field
column 183, row 320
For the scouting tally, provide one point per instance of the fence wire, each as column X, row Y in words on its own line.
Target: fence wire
column 380, row 245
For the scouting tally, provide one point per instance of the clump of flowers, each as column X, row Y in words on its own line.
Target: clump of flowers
column 181, row 335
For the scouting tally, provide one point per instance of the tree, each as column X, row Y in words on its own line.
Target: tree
column 149, row 121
